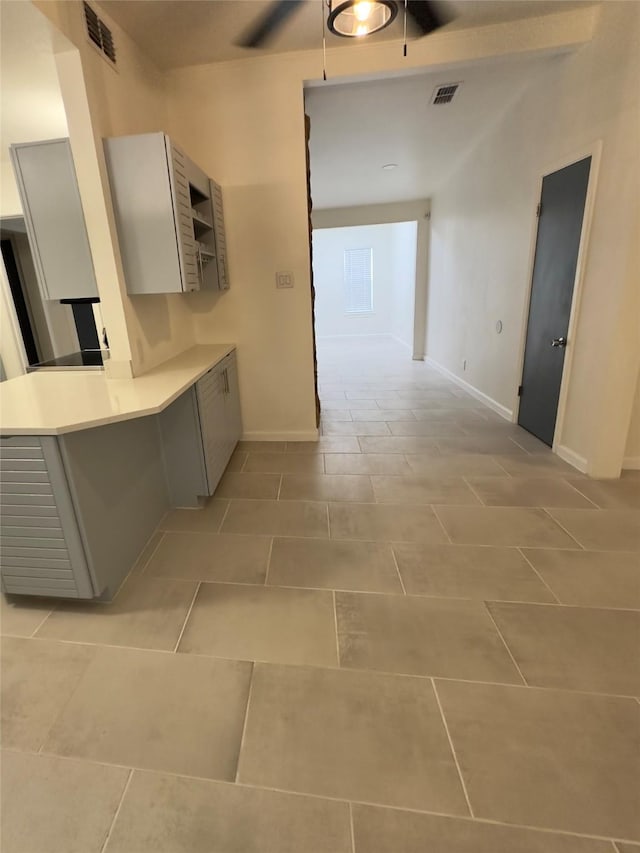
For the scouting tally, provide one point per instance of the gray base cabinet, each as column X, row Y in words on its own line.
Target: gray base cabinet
column 78, row 509
column 199, row 432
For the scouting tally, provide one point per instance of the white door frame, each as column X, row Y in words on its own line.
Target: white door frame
column 382, row 214
column 594, row 150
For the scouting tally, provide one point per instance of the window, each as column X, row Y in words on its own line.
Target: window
column 358, row 281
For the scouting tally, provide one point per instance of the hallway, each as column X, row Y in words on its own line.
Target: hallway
column 420, row 634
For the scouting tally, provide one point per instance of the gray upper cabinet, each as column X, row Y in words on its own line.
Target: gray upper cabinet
column 166, row 216
column 48, row 189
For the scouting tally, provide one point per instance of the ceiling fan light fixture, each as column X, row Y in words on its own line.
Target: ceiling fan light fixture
column 357, row 18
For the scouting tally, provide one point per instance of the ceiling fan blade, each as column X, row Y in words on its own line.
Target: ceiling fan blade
column 269, row 23
column 427, row 16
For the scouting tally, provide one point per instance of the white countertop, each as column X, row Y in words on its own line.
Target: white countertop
column 52, row 402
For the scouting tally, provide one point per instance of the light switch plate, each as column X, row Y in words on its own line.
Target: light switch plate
column 284, row 279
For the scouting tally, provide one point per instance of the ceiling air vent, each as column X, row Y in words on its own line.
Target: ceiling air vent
column 444, row 94
column 99, row 33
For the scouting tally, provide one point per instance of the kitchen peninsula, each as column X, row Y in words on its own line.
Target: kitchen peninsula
column 89, row 466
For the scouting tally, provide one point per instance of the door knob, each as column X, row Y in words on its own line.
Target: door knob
column 559, row 342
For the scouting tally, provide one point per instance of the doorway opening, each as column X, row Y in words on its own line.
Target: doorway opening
column 364, row 278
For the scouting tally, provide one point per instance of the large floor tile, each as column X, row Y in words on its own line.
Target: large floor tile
column 519, row 526
column 469, row 571
column 215, row 557
column 528, row 491
column 352, row 735
column 603, row 529
column 262, row 623
column 145, row 555
column 534, row 465
column 326, row 487
column 242, row 485
column 382, row 415
column 54, row 805
column 20, row 615
column 334, row 415
column 333, row 564
column 277, row 518
column 38, row 677
column 261, row 446
column 590, row 578
column 439, row 429
column 421, row 636
column 479, row 444
column 238, row 458
column 326, row 444
column 148, row 613
column 578, row 648
column 455, row 465
column 206, row 520
column 285, row 463
column 386, row 523
column 367, row 463
column 547, row 758
column 379, row 830
column 611, row 494
column 168, row 814
column 372, row 393
column 175, row 713
column 423, row 489
column 397, row 444
column 356, row 427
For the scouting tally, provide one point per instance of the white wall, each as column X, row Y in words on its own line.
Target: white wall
column 329, row 246
column 404, row 236
column 482, row 230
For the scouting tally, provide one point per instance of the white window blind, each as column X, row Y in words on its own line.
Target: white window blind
column 358, row 281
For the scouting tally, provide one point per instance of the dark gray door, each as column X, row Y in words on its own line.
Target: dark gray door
column 554, row 269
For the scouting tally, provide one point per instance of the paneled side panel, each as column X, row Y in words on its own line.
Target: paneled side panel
column 187, row 248
column 39, row 548
column 221, row 236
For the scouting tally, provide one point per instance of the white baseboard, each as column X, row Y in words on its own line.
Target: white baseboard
column 302, row 435
column 507, row 414
column 571, row 457
column 631, row 463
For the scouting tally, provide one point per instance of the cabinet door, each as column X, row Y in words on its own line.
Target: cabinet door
column 210, row 392
column 221, row 236
column 141, row 195
column 53, row 214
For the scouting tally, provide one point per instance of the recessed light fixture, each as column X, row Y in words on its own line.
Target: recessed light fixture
column 388, row 167
column 357, row 18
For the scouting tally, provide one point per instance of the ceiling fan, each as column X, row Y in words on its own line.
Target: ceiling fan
column 348, row 18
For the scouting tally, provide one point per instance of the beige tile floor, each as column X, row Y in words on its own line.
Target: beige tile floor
column 420, row 634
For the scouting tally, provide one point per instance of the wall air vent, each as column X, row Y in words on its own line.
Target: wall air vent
column 99, row 33
column 444, row 94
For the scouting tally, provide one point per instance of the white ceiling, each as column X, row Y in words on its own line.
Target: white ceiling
column 358, row 128
column 177, row 33
column 31, row 105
